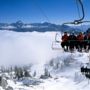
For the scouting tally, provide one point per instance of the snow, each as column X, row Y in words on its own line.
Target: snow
column 52, row 84
column 34, row 47
column 27, row 26
column 8, row 27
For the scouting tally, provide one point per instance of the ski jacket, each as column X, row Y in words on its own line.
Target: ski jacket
column 89, row 36
column 72, row 37
column 80, row 38
column 65, row 38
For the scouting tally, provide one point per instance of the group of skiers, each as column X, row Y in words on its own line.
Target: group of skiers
column 79, row 42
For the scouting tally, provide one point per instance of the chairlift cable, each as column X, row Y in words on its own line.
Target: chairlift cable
column 41, row 10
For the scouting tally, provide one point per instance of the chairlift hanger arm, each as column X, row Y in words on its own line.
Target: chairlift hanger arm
column 76, row 23
column 79, row 21
column 82, row 8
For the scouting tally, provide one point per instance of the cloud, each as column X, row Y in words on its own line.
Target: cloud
column 26, row 48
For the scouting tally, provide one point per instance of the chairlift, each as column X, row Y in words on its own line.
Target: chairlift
column 56, row 44
column 79, row 21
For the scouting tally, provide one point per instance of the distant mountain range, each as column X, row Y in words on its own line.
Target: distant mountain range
column 19, row 26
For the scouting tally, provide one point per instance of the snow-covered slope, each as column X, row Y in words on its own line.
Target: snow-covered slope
column 65, row 76
column 50, row 70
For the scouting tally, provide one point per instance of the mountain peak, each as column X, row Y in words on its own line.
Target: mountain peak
column 19, row 22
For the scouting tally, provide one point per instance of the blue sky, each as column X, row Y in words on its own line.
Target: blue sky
column 29, row 11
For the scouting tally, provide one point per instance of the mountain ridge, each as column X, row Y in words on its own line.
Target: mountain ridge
column 19, row 26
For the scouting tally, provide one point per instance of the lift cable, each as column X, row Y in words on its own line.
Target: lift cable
column 41, row 10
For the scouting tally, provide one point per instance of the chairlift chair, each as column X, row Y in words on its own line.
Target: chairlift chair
column 56, row 44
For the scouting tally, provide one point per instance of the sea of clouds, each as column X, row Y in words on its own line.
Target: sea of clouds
column 24, row 48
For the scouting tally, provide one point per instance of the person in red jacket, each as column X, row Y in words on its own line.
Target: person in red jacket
column 64, row 42
column 80, row 39
column 88, row 41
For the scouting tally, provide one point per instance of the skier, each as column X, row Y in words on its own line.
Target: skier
column 64, row 42
column 89, row 41
column 85, row 42
column 72, row 41
column 80, row 39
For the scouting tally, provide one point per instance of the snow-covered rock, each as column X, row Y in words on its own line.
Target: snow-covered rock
column 30, row 81
column 3, row 82
column 9, row 88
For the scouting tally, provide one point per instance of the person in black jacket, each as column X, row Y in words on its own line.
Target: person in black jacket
column 85, row 42
column 72, row 41
column 88, row 41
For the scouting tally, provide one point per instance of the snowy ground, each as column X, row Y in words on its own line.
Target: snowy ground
column 64, row 67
